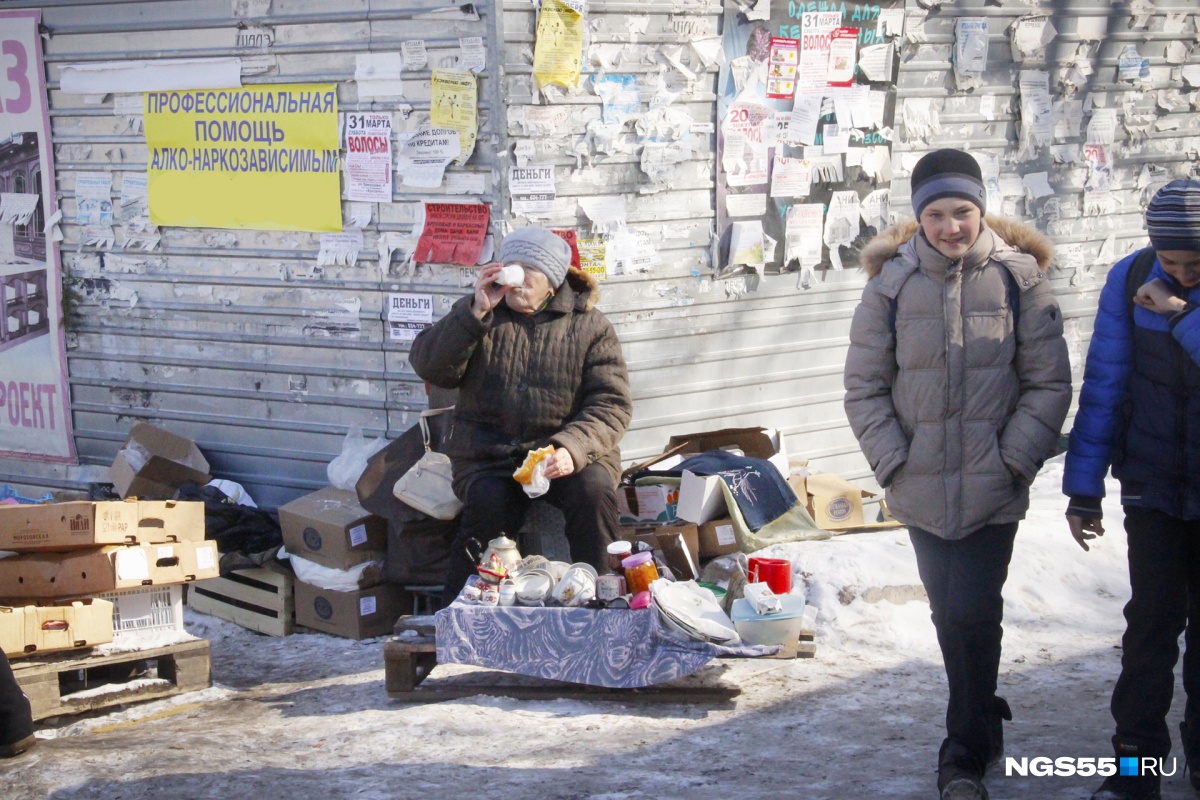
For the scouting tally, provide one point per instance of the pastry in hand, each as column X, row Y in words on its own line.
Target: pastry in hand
column 524, row 475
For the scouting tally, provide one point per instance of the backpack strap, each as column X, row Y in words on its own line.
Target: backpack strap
column 1139, row 271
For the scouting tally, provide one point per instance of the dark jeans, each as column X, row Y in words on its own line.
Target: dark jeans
column 963, row 579
column 496, row 505
column 16, row 721
column 1164, row 573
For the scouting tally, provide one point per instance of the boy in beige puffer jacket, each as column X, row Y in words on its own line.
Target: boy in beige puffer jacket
column 957, row 385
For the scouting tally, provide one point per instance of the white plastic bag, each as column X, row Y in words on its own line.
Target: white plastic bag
column 335, row 580
column 538, row 484
column 345, row 470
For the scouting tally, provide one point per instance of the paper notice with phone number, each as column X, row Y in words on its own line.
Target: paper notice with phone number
column 408, row 315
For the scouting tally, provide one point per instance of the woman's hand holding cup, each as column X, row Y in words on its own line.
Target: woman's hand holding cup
column 488, row 293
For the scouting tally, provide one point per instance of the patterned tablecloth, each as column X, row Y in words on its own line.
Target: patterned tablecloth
column 617, row 648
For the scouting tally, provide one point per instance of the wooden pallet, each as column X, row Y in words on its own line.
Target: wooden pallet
column 259, row 599
column 410, row 656
column 52, row 683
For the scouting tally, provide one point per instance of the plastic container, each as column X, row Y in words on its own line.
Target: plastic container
column 770, row 629
column 640, row 572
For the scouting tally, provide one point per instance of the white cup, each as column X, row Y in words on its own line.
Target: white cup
column 508, row 593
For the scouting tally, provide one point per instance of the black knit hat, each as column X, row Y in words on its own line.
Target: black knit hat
column 947, row 173
column 1173, row 217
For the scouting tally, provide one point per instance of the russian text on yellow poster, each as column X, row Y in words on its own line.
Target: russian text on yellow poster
column 453, row 106
column 264, row 158
column 559, row 46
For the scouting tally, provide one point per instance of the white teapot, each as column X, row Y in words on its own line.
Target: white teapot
column 502, row 546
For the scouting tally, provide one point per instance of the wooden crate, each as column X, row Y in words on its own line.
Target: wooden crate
column 68, row 685
column 259, row 599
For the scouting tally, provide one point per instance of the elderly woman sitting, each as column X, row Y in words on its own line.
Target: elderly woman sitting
column 535, row 363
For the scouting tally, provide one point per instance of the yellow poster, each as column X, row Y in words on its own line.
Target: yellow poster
column 453, row 106
column 559, row 46
column 258, row 157
column 591, row 257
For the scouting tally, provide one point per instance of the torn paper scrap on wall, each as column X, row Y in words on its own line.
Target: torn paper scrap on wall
column 378, row 75
column 340, row 249
column 628, row 252
column 1037, row 112
column 358, row 215
column 1030, row 34
column 559, row 45
column 164, row 75
column 746, row 244
column 841, row 224
column 453, row 233
column 803, row 239
column 1140, row 13
column 970, row 51
column 453, row 105
column 392, row 241
column 606, row 212
column 921, row 122
column 17, row 209
column 472, row 55
column 424, row 154
column 619, row 95
column 874, row 209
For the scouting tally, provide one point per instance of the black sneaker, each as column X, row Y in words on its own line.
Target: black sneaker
column 18, row 747
column 1128, row 787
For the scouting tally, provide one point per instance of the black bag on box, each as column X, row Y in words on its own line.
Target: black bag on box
column 419, row 551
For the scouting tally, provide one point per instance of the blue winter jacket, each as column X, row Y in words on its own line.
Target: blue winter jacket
column 1139, row 409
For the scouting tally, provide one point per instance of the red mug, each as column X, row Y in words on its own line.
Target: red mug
column 775, row 572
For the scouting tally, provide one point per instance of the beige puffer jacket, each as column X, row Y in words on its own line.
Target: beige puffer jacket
column 957, row 390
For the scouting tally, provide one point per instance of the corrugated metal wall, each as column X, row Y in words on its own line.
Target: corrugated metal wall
column 218, row 335
column 238, row 339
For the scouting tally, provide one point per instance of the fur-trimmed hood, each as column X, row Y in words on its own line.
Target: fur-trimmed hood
column 1013, row 232
column 585, row 287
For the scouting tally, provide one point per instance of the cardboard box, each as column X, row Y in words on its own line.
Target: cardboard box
column 701, row 498
column 656, row 503
column 173, row 461
column 765, row 443
column 836, row 504
column 717, row 538
column 330, row 528
column 67, row 526
column 105, row 569
column 679, row 545
column 354, row 615
column 29, row 630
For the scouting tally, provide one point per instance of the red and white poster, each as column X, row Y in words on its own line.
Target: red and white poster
column 843, row 56
column 369, row 157
column 816, row 28
column 35, row 412
column 453, row 233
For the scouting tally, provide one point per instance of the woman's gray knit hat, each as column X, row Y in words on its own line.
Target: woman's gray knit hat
column 539, row 248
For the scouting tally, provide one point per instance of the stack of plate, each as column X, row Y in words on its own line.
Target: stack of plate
column 692, row 610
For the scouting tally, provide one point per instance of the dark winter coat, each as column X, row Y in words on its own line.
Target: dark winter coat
column 957, row 379
column 1139, row 409
column 556, row 376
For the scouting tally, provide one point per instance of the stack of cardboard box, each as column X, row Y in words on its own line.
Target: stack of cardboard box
column 85, row 551
column 331, row 529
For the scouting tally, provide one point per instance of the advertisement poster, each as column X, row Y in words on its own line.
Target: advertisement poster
column 532, row 189
column 777, row 151
column 35, row 413
column 258, row 157
column 408, row 315
column 369, row 157
column 453, row 106
column 453, row 233
column 558, row 51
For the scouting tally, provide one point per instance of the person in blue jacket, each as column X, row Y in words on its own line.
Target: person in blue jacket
column 1139, row 411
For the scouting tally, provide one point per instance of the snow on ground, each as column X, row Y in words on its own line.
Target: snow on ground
column 308, row 717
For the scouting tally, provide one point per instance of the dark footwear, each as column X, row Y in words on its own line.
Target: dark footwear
column 960, row 783
column 1001, row 714
column 16, row 748
column 1128, row 787
column 964, row 787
